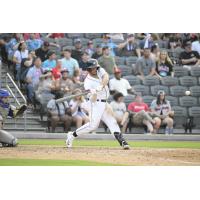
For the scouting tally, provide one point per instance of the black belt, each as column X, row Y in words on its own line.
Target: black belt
column 100, row 100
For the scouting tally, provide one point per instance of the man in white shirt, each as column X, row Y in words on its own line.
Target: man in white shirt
column 119, row 84
column 97, row 83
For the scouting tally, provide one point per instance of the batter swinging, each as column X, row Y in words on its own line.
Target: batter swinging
column 97, row 82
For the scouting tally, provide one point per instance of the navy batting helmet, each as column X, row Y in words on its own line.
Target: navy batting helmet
column 4, row 93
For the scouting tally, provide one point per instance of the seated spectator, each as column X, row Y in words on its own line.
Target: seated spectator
column 130, row 47
column 20, row 54
column 65, row 84
column 59, row 112
column 32, row 79
column 56, row 71
column 147, row 42
column 77, row 52
column 119, row 84
column 42, row 52
column 51, row 61
column 28, row 35
column 83, row 65
column 46, row 88
column 119, row 110
column 164, row 66
column 106, row 61
column 139, row 112
column 189, row 57
column 56, row 35
column 70, row 63
column 145, row 66
column 98, row 52
column 26, row 64
column 90, row 48
column 195, row 43
column 155, row 52
column 79, row 113
column 33, row 43
column 163, row 113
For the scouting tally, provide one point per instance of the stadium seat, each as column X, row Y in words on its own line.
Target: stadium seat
column 131, row 60
column 188, row 101
column 65, row 42
column 93, row 35
column 144, row 90
column 180, row 116
column 97, row 41
column 180, row 71
column 169, row 81
column 156, row 88
column 148, row 99
column 119, row 60
column 195, row 71
column 195, row 113
column 178, row 90
column 50, row 40
column 188, row 81
column 173, row 100
column 195, row 91
column 151, row 80
column 128, row 99
column 133, row 80
column 125, row 70
column 117, row 41
column 75, row 35
column 84, row 41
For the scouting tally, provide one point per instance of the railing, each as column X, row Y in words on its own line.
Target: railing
column 8, row 77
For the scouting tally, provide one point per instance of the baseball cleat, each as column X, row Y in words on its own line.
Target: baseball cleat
column 125, row 145
column 69, row 139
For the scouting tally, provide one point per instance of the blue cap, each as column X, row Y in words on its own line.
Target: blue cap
column 4, row 93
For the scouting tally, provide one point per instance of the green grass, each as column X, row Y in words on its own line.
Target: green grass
column 112, row 143
column 45, row 162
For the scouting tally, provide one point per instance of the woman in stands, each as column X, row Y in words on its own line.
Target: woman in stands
column 161, row 109
column 119, row 109
column 79, row 109
column 164, row 66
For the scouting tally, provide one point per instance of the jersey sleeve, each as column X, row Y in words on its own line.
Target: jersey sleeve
column 111, row 85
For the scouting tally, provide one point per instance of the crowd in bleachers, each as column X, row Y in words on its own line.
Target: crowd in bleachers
column 45, row 65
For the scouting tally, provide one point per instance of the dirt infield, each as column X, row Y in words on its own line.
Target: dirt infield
column 117, row 156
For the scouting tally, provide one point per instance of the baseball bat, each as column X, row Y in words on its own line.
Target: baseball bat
column 71, row 96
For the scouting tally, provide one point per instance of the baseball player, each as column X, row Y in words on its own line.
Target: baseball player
column 97, row 83
column 6, row 139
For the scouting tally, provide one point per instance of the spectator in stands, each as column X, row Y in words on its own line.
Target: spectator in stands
column 70, row 63
column 130, row 47
column 147, row 42
column 119, row 84
column 107, row 42
column 189, row 57
column 43, row 51
column 20, row 54
column 77, row 52
column 56, row 71
column 59, row 112
column 26, row 64
column 65, row 84
column 55, row 35
column 140, row 115
column 33, row 43
column 145, row 65
column 116, row 36
column 164, row 65
column 51, row 61
column 163, row 113
column 90, row 48
column 79, row 113
column 32, row 79
column 27, row 36
column 155, row 52
column 195, row 43
column 46, row 87
column 106, row 61
column 119, row 110
column 98, row 52
column 83, row 65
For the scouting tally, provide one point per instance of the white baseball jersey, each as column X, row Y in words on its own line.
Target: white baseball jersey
column 92, row 83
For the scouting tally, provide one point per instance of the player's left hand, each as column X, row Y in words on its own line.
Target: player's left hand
column 99, row 88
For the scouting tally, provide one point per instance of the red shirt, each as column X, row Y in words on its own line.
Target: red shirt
column 137, row 107
column 57, row 35
column 56, row 73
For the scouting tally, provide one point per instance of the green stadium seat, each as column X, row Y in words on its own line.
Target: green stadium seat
column 151, row 80
column 178, row 90
column 188, row 81
column 156, row 88
column 144, row 90
column 169, row 81
column 133, row 80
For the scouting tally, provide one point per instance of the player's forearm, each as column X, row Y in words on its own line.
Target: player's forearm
column 105, row 80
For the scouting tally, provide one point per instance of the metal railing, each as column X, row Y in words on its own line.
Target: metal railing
column 14, row 94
